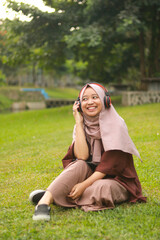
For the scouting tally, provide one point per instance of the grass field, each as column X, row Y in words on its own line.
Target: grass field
column 64, row 93
column 32, row 145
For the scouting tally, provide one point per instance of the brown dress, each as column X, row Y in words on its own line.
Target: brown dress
column 120, row 184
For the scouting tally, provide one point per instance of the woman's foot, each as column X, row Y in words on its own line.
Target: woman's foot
column 42, row 212
column 36, row 196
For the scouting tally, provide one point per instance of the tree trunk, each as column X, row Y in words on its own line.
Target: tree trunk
column 157, row 55
column 152, row 50
column 142, row 55
column 34, row 74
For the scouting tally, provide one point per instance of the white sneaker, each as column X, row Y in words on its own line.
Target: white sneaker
column 42, row 212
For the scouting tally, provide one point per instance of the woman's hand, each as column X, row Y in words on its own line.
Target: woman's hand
column 77, row 116
column 77, row 191
column 81, row 150
column 79, row 188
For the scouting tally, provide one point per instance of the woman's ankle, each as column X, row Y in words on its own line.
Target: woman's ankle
column 46, row 199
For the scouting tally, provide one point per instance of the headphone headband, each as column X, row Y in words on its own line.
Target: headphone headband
column 106, row 91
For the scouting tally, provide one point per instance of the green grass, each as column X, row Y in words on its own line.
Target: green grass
column 32, row 145
column 64, row 93
column 6, row 99
column 5, row 103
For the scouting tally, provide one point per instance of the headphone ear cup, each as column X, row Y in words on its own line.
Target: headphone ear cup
column 79, row 109
column 107, row 100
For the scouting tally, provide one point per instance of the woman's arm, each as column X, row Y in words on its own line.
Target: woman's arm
column 81, row 150
column 79, row 188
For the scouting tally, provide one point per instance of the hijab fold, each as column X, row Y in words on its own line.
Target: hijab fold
column 107, row 130
column 93, row 135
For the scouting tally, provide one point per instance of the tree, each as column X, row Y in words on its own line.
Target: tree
column 142, row 19
column 41, row 39
column 99, row 43
column 98, row 40
column 118, row 36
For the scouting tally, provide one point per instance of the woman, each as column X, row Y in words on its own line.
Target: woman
column 98, row 167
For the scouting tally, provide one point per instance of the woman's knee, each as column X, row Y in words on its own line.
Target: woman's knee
column 81, row 163
column 58, row 191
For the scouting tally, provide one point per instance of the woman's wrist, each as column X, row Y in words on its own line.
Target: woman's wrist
column 94, row 177
column 79, row 123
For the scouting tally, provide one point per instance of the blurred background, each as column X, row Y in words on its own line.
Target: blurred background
column 57, row 44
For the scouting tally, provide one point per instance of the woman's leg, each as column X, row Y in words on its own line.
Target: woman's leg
column 59, row 189
column 46, row 199
column 103, row 194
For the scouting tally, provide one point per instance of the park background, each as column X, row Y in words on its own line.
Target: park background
column 58, row 49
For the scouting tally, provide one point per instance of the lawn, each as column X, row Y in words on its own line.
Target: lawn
column 32, row 145
column 64, row 93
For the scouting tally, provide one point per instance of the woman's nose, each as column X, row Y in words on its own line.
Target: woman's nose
column 90, row 101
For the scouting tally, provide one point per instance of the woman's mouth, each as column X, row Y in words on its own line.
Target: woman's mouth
column 91, row 108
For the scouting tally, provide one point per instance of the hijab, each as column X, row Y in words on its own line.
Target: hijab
column 107, row 130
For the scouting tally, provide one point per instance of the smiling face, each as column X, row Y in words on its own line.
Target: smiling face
column 91, row 104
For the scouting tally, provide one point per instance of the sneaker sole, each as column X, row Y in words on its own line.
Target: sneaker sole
column 41, row 217
column 35, row 196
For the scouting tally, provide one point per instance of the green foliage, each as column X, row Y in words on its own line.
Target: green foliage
column 5, row 103
column 32, row 146
column 2, row 78
column 90, row 35
column 102, row 40
column 77, row 68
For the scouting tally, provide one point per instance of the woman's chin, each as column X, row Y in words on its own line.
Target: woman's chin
column 92, row 114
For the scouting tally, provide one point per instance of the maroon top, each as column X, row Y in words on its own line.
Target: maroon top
column 116, row 165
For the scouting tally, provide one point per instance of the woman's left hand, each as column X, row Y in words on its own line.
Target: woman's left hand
column 77, row 191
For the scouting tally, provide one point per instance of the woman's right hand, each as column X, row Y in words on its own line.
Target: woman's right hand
column 77, row 115
column 81, row 150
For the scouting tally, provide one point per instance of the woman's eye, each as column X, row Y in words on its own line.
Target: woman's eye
column 84, row 99
column 95, row 97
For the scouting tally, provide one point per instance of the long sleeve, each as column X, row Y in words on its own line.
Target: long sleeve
column 119, row 166
column 112, row 162
column 69, row 157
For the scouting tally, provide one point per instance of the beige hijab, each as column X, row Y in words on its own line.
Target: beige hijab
column 108, row 130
